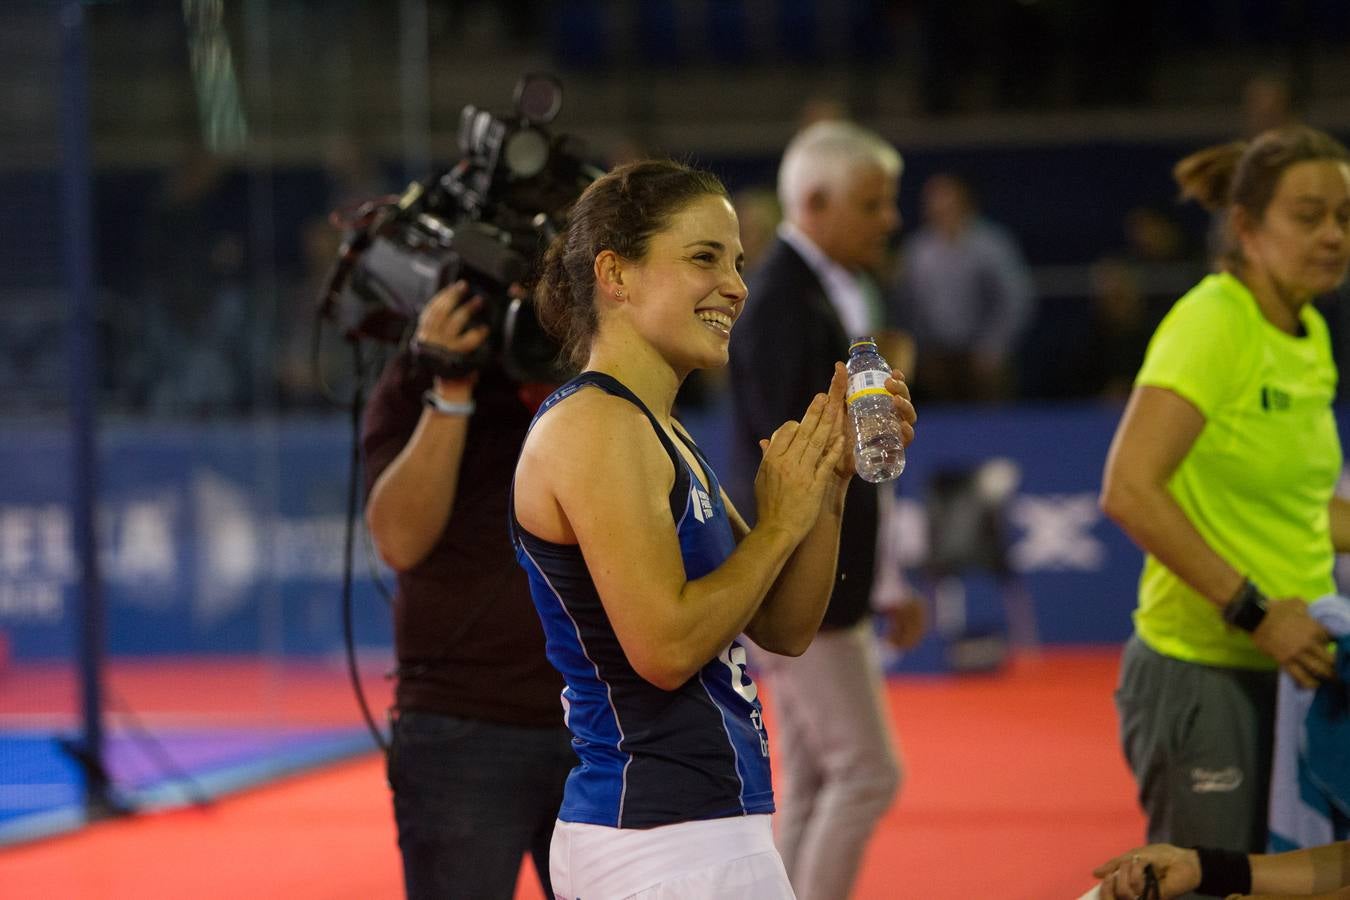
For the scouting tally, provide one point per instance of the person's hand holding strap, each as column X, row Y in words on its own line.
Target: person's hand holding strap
column 1177, row 870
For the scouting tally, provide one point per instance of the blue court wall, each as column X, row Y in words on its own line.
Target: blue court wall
column 221, row 538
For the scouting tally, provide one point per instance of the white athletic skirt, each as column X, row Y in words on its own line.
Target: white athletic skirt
column 731, row 858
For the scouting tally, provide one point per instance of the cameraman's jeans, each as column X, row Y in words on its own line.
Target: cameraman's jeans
column 470, row 799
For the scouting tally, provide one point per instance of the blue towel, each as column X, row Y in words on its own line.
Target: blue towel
column 1310, row 778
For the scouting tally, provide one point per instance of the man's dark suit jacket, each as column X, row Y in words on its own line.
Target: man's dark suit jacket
column 783, row 349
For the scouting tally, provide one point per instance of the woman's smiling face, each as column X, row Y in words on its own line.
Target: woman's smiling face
column 687, row 292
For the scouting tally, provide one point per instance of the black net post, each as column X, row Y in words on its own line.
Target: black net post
column 78, row 256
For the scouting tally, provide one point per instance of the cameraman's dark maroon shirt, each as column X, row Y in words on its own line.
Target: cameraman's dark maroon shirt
column 468, row 640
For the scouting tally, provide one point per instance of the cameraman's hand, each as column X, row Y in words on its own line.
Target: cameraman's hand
column 444, row 322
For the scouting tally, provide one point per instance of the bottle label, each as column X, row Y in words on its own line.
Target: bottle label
column 862, row 384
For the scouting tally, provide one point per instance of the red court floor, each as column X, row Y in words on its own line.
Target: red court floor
column 1016, row 789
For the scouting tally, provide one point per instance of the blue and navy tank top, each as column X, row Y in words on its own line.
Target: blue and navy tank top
column 648, row 756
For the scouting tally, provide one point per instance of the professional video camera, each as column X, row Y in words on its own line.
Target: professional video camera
column 486, row 220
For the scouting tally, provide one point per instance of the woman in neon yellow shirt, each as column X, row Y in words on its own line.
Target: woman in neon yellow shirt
column 1222, row 470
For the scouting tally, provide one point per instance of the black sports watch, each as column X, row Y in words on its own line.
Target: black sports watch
column 1247, row 609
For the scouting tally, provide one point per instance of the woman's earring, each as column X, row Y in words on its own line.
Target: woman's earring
column 618, row 292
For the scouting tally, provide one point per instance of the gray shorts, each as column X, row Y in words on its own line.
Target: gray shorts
column 1199, row 741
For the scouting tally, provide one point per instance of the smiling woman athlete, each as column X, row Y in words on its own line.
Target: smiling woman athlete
column 642, row 571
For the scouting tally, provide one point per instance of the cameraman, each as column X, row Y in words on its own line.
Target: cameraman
column 479, row 752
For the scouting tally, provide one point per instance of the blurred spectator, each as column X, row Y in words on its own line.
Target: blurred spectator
column 759, row 214
column 1111, row 52
column 1029, row 36
column 514, row 25
column 196, row 350
column 1090, row 344
column 1267, row 102
column 303, row 369
column 821, row 108
column 351, row 174
column 1118, row 332
column 967, row 294
column 954, row 35
column 1154, row 236
column 630, row 146
column 1162, row 258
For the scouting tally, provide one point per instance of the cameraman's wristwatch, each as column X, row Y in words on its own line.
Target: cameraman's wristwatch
column 1247, row 609
column 447, row 407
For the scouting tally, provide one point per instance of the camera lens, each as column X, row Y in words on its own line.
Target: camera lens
column 538, row 98
column 526, row 152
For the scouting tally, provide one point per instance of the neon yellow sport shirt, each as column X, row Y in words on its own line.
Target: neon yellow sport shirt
column 1258, row 480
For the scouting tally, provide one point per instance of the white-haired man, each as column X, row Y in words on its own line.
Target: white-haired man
column 811, row 294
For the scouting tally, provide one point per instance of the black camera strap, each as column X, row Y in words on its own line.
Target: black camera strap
column 442, row 362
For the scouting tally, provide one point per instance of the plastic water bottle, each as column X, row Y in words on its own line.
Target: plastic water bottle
column 878, row 451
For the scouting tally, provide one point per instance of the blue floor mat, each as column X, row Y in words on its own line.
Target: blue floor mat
column 42, row 786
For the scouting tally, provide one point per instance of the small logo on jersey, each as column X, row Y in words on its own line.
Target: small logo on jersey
column 703, row 508
column 1215, row 781
column 1274, row 399
column 758, row 721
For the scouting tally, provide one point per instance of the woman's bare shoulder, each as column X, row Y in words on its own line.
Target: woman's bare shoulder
column 588, row 433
